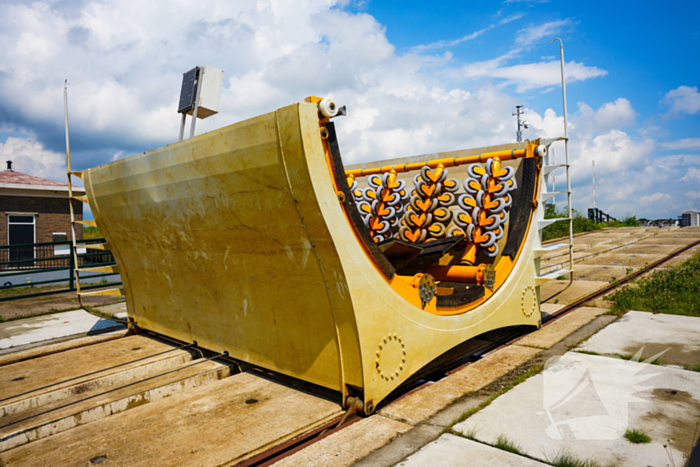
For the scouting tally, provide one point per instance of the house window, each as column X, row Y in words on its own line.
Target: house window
column 21, row 229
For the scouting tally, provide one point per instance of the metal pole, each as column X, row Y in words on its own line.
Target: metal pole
column 182, row 126
column 519, row 133
column 196, row 100
column 566, row 151
column 593, row 183
column 554, row 178
column 71, row 274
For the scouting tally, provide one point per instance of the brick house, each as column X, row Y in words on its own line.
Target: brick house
column 36, row 210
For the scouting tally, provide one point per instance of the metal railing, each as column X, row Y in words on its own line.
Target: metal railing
column 38, row 258
column 599, row 217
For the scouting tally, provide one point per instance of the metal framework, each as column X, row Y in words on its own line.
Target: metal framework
column 112, row 269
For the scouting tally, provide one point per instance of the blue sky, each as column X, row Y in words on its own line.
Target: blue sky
column 417, row 77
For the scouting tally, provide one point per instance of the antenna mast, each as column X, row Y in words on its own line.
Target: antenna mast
column 521, row 123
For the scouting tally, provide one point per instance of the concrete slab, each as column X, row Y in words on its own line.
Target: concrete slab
column 216, row 424
column 624, row 260
column 570, row 293
column 657, row 248
column 682, row 258
column 551, row 308
column 453, row 450
column 423, row 404
column 677, row 336
column 401, row 447
column 29, row 375
column 18, row 429
column 668, row 240
column 584, row 403
column 16, row 354
column 550, row 334
column 348, row 445
column 43, row 328
column 599, row 273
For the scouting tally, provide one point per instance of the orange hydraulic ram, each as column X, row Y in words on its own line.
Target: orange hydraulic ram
column 447, row 162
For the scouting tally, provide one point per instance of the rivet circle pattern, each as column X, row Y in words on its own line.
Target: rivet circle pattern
column 528, row 301
column 390, row 348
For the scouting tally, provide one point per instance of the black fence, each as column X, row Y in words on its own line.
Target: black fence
column 36, row 258
column 598, row 216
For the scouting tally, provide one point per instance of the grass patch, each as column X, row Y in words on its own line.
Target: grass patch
column 505, row 444
column 587, row 352
column 99, row 312
column 674, row 291
column 635, row 436
column 693, row 367
column 91, row 232
column 471, row 434
column 28, row 288
column 580, row 223
column 567, row 459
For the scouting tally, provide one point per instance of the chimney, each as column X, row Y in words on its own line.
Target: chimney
column 9, row 165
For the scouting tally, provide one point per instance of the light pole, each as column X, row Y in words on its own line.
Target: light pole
column 566, row 153
column 521, row 123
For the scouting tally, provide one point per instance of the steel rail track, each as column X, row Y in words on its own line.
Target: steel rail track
column 292, row 446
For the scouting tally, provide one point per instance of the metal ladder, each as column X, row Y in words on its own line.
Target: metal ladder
column 74, row 244
column 546, row 195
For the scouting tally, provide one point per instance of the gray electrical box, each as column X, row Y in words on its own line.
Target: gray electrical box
column 205, row 82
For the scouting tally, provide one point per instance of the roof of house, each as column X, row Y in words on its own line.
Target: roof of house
column 18, row 178
column 692, row 211
column 13, row 180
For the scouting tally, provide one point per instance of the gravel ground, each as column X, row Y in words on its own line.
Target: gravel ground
column 26, row 307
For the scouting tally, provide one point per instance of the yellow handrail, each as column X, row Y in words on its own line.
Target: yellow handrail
column 446, row 162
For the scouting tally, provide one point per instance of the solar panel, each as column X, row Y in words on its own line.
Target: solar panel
column 188, row 91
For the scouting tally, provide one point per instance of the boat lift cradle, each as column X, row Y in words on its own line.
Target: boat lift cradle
column 254, row 240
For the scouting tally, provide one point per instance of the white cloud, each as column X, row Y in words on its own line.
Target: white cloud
column 678, row 160
column 687, row 143
column 692, row 174
column 655, row 197
column 683, row 99
column 533, row 75
column 693, row 194
column 531, row 2
column 617, row 114
column 28, row 156
column 530, row 35
column 614, row 152
column 125, row 61
column 441, row 44
column 511, row 18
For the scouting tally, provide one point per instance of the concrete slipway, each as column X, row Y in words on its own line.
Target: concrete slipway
column 216, row 419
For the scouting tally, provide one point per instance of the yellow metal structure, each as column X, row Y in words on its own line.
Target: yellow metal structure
column 245, row 240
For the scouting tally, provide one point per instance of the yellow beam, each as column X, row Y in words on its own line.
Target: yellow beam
column 89, row 223
column 102, row 293
column 447, row 162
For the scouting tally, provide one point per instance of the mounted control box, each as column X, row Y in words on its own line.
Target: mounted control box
column 210, row 80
